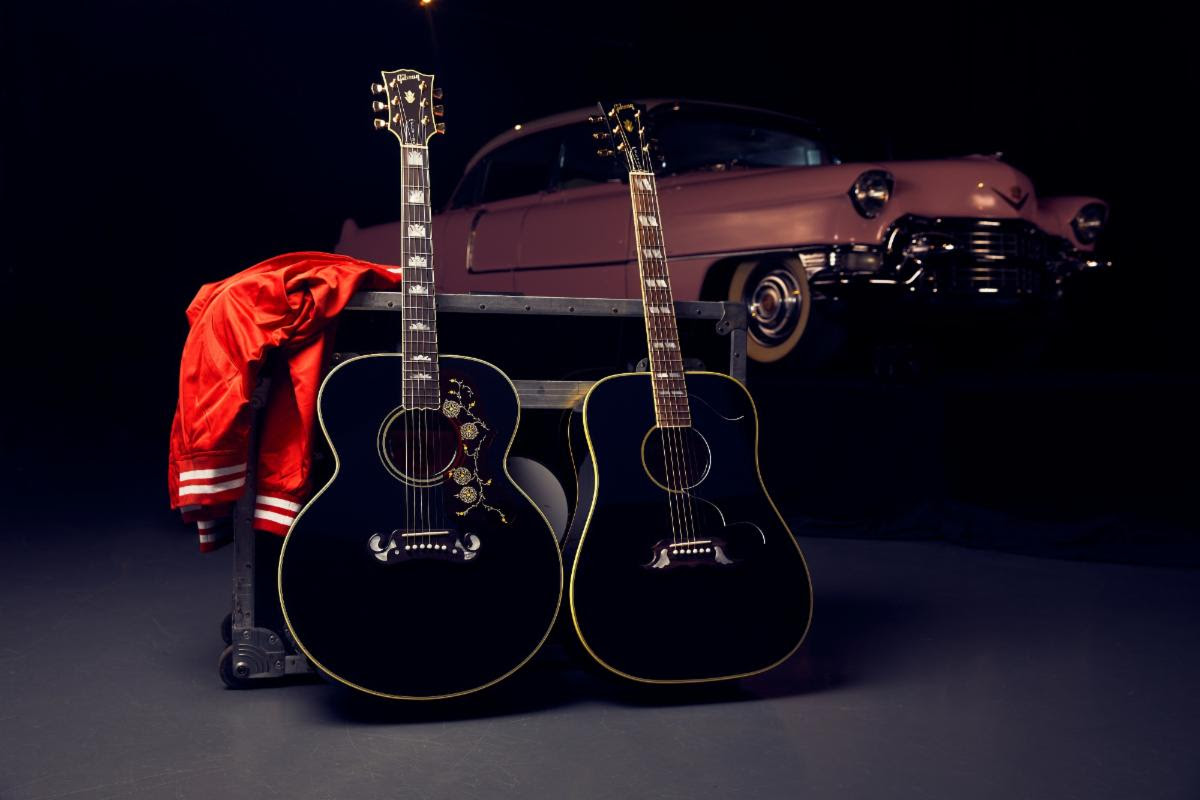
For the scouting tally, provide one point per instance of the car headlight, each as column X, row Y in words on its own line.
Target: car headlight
column 871, row 191
column 1089, row 221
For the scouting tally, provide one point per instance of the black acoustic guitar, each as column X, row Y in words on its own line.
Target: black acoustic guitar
column 420, row 570
column 683, row 570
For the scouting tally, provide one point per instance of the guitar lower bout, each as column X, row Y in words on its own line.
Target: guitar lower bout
column 682, row 570
column 420, row 570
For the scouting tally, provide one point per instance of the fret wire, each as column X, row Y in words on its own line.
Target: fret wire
column 418, row 308
column 661, row 325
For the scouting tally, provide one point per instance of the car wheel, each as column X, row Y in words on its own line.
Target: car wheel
column 778, row 302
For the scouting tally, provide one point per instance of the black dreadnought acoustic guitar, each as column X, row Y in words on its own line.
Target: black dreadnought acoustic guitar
column 683, row 570
column 420, row 570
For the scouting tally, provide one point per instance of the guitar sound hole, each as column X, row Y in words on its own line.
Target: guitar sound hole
column 676, row 458
column 419, row 445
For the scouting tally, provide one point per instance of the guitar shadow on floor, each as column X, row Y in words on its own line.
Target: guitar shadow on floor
column 854, row 639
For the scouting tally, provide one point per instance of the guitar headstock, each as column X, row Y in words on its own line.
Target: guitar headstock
column 409, row 105
column 620, row 131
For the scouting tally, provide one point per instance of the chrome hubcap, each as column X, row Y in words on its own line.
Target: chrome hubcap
column 775, row 304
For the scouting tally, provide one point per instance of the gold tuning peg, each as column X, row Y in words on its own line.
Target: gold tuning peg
column 376, row 88
column 378, row 105
column 439, row 111
column 595, row 120
column 604, row 151
column 437, row 93
column 379, row 124
column 440, row 127
column 599, row 136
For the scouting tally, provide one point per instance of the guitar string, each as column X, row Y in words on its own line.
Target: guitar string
column 424, row 443
column 433, row 494
column 692, row 465
column 405, row 318
column 672, row 434
column 435, row 491
column 672, row 509
column 665, row 402
column 676, row 403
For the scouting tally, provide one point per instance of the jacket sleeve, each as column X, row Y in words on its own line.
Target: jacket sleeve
column 284, row 304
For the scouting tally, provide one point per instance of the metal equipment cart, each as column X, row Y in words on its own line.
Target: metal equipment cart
column 258, row 649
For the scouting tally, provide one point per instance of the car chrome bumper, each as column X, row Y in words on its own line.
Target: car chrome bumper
column 951, row 260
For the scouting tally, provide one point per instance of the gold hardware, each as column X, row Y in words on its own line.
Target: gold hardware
column 379, row 124
column 376, row 88
column 378, row 105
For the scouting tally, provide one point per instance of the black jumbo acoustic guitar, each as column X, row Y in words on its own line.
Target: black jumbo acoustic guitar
column 421, row 570
column 683, row 569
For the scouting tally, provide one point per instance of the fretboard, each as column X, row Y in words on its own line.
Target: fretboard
column 420, row 349
column 666, row 362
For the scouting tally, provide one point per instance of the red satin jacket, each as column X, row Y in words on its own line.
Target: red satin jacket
column 285, row 304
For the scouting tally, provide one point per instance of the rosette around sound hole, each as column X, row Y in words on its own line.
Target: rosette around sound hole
column 676, row 458
column 419, row 445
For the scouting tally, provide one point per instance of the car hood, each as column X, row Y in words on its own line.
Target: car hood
column 793, row 205
column 973, row 186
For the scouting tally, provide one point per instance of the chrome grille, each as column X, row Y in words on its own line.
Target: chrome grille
column 1005, row 257
column 994, row 240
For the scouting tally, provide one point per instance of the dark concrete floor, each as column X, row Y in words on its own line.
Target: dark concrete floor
column 932, row 671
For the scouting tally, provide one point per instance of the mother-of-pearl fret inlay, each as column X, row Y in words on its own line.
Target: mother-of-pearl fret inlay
column 421, row 383
column 666, row 362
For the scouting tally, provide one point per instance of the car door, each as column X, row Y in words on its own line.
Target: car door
column 487, row 216
column 576, row 240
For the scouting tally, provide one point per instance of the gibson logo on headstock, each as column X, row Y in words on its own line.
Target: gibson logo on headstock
column 412, row 116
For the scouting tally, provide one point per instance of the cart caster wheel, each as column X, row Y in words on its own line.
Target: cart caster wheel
column 235, row 676
column 227, row 629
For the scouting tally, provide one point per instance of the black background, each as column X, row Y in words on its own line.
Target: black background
column 149, row 147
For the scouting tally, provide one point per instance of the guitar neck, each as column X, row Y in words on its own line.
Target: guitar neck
column 662, row 331
column 419, row 343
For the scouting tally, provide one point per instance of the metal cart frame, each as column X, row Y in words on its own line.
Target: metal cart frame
column 257, row 654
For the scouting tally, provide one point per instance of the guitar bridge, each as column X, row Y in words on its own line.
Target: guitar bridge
column 442, row 545
column 689, row 554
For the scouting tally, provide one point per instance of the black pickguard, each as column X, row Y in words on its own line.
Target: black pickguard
column 645, row 602
column 430, row 615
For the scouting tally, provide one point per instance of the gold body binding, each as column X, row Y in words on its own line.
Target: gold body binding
column 587, row 524
column 337, row 465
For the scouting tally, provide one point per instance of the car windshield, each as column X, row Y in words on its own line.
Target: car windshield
column 704, row 138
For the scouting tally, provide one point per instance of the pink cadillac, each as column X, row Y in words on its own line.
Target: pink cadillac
column 755, row 208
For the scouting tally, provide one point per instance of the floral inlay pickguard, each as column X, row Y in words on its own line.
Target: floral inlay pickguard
column 459, row 404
